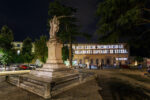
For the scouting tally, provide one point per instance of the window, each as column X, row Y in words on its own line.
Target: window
column 18, row 45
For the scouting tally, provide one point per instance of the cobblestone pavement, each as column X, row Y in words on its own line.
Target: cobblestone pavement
column 123, row 84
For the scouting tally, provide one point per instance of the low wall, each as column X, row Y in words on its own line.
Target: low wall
column 4, row 73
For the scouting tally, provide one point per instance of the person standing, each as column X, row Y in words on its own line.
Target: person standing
column 148, row 70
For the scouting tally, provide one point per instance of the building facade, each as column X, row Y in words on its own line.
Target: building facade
column 18, row 46
column 96, row 54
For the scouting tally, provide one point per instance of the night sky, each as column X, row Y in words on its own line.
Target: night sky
column 29, row 17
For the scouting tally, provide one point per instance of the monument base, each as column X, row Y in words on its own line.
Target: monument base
column 47, row 83
column 54, row 77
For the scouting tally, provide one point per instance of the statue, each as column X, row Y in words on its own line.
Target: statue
column 54, row 27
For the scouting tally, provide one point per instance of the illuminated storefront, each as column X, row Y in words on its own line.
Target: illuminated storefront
column 101, row 54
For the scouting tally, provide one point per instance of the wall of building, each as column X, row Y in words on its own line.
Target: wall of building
column 101, row 54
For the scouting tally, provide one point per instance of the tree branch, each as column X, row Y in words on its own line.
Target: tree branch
column 59, row 17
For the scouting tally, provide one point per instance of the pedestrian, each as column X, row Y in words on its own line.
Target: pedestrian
column 115, row 65
column 140, row 66
column 101, row 66
column 90, row 66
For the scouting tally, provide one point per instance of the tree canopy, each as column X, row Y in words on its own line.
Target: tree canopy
column 27, row 50
column 6, row 38
column 125, row 21
column 68, row 28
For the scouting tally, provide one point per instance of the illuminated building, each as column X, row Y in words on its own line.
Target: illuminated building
column 101, row 54
column 18, row 46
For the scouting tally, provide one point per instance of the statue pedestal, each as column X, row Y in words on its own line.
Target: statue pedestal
column 54, row 62
column 54, row 77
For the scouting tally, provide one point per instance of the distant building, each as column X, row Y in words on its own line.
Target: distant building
column 101, row 54
column 18, row 46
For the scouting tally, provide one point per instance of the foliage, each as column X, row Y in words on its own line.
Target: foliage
column 139, row 59
column 124, row 21
column 41, row 50
column 65, row 53
column 27, row 50
column 17, row 58
column 6, row 38
column 5, row 58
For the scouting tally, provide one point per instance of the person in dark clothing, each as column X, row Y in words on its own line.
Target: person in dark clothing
column 90, row 66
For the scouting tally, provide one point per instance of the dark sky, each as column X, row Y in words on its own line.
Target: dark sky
column 29, row 17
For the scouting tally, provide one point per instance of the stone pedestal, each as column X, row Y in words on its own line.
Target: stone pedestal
column 54, row 63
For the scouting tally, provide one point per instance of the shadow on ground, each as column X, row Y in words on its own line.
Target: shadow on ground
column 117, row 89
column 123, row 91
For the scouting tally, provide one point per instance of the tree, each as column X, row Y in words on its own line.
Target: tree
column 17, row 58
column 124, row 21
column 5, row 58
column 65, row 53
column 41, row 50
column 27, row 50
column 68, row 28
column 6, row 38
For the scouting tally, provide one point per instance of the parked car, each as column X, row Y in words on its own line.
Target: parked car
column 23, row 67
column 82, row 65
column 32, row 66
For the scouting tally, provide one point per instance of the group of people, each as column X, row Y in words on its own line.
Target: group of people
column 140, row 67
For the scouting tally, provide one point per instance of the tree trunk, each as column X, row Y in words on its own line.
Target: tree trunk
column 70, row 47
column 5, row 67
column 70, row 51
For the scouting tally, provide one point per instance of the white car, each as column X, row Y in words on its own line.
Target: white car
column 32, row 66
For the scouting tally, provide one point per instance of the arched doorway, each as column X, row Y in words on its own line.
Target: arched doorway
column 97, row 62
column 107, row 61
column 91, row 62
